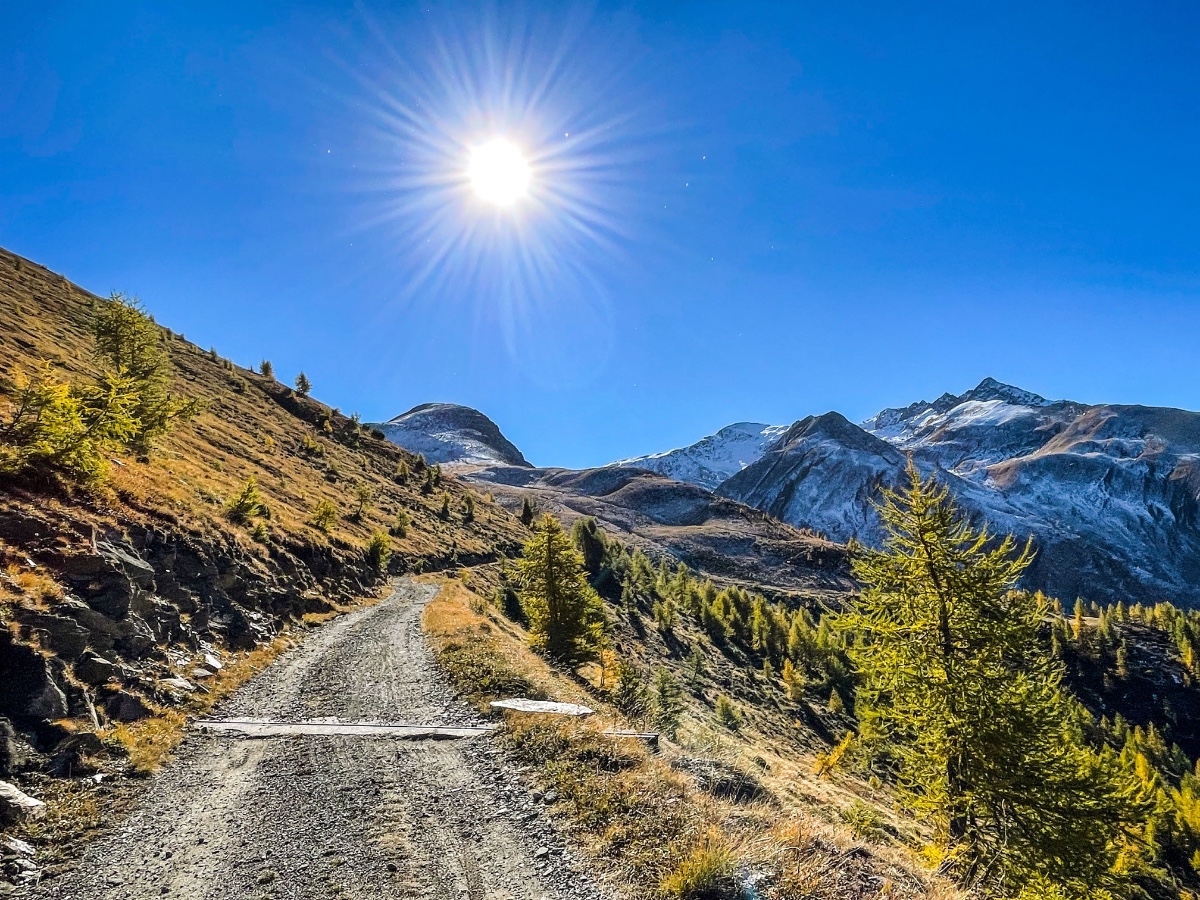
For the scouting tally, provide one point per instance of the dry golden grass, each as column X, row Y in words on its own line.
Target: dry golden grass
column 253, row 426
column 149, row 743
column 28, row 586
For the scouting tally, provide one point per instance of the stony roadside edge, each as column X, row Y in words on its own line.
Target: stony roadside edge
column 334, row 816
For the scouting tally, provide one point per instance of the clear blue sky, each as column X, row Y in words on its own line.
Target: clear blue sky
column 746, row 211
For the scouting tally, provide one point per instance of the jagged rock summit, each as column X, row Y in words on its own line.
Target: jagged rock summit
column 449, row 433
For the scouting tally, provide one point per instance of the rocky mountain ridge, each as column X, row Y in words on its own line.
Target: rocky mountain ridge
column 1110, row 494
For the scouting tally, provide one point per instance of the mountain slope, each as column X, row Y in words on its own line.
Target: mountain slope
column 114, row 597
column 823, row 473
column 1110, row 494
column 449, row 433
column 714, row 458
column 726, row 540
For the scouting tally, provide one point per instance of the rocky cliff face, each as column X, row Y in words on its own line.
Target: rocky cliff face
column 448, row 433
column 136, row 611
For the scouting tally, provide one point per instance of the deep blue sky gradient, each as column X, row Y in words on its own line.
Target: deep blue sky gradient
column 805, row 206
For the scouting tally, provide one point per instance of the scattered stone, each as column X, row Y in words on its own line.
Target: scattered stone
column 17, row 806
column 211, row 662
column 179, row 684
column 551, row 797
column 541, row 852
column 200, row 674
column 19, row 847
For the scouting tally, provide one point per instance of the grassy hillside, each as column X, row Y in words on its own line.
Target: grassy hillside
column 252, row 426
column 764, row 702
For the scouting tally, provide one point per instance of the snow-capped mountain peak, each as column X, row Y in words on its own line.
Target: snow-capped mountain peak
column 991, row 389
column 449, row 433
column 891, row 423
column 712, row 459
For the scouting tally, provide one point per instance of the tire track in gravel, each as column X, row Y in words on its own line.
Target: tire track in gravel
column 351, row 817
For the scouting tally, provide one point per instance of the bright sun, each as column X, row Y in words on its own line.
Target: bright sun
column 498, row 172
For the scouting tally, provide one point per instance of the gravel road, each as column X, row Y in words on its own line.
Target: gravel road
column 352, row 817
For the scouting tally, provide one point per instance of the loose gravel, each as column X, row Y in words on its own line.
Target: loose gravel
column 334, row 816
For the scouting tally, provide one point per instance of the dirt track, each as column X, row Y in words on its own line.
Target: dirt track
column 352, row 817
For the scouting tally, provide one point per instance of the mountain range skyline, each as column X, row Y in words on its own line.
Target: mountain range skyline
column 760, row 434
column 1109, row 493
column 785, row 208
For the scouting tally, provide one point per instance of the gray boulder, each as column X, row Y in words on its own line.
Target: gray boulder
column 124, row 706
column 92, row 669
column 30, row 691
column 17, row 806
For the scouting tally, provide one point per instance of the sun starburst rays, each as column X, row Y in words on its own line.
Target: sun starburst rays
column 515, row 238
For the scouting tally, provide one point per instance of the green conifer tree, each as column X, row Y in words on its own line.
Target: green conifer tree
column 324, row 515
column 131, row 347
column 629, row 692
column 565, row 614
column 958, row 688
column 364, row 496
column 526, row 512
column 379, row 551
column 589, row 541
column 400, row 529
column 303, row 385
column 668, row 703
